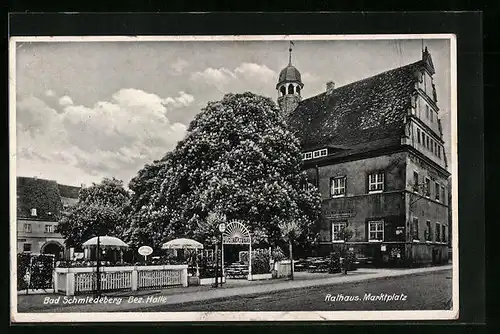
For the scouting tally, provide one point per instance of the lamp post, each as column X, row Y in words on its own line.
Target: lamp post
column 222, row 228
column 98, row 277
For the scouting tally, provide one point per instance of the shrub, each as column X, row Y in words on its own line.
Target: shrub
column 34, row 271
column 206, row 268
column 334, row 263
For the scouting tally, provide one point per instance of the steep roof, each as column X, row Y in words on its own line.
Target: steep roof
column 361, row 116
column 46, row 196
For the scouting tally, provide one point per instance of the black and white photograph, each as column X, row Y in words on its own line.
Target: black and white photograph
column 233, row 178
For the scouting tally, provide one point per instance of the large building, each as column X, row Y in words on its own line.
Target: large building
column 374, row 148
column 39, row 206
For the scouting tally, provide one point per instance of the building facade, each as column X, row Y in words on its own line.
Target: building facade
column 375, row 150
column 39, row 206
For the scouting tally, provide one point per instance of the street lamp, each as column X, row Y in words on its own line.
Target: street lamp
column 98, row 274
column 222, row 228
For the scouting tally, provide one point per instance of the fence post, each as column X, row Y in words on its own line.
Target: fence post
column 54, row 279
column 70, row 284
column 134, row 279
column 184, row 277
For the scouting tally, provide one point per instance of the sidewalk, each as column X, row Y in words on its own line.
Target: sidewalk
column 34, row 303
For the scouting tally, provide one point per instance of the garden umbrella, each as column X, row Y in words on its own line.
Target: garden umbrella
column 105, row 242
column 183, row 243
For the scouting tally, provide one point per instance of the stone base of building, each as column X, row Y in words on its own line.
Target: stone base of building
column 394, row 254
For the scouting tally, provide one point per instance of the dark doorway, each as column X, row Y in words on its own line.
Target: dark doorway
column 435, row 256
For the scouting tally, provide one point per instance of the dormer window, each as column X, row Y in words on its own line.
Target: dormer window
column 315, row 154
column 33, row 212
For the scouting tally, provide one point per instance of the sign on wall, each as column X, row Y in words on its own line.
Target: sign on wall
column 341, row 214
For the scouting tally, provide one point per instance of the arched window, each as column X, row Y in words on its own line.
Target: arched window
column 283, row 90
column 298, row 90
column 290, row 89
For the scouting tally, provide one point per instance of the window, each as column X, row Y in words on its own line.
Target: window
column 376, row 182
column 323, row 152
column 376, row 231
column 439, row 152
column 49, row 228
column 283, row 90
column 27, row 228
column 443, row 233
column 415, row 181
column 418, row 135
column 414, row 229
column 427, row 112
column 435, row 148
column 27, row 248
column 337, row 186
column 308, row 156
column 438, row 232
column 432, row 116
column 428, row 231
column 290, row 89
column 336, row 228
column 428, row 142
column 33, row 212
column 437, row 191
column 298, row 90
column 443, row 194
column 432, row 146
column 427, row 187
column 316, row 154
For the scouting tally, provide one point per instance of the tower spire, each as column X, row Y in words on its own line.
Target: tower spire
column 290, row 53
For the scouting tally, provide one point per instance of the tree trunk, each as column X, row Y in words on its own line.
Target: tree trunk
column 291, row 259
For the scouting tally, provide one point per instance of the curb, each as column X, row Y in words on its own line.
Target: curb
column 312, row 283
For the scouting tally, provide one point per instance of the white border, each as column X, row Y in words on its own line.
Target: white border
column 230, row 316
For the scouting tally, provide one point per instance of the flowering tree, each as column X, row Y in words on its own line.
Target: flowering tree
column 99, row 210
column 290, row 231
column 238, row 159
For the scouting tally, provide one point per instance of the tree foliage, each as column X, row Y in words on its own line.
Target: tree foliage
column 238, row 159
column 99, row 210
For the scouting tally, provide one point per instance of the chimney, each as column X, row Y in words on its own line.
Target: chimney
column 330, row 86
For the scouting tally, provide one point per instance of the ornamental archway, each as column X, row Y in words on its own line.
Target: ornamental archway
column 236, row 233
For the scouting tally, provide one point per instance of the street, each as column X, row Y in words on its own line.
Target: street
column 426, row 291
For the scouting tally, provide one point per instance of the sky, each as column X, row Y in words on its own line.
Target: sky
column 89, row 110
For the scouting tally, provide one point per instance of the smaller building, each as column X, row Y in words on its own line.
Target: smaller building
column 39, row 206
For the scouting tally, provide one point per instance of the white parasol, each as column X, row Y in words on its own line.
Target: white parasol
column 105, row 242
column 182, row 243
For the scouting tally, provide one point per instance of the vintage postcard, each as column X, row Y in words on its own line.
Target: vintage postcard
column 233, row 178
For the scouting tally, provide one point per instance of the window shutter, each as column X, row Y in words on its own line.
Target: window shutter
column 367, row 184
column 385, row 180
column 366, row 230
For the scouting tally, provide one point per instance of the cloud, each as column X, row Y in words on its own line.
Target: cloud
column 259, row 72
column 178, row 66
column 65, row 101
column 183, row 100
column 50, row 93
column 217, row 77
column 114, row 137
column 246, row 76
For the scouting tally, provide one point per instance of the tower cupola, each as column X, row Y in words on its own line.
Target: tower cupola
column 289, row 85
